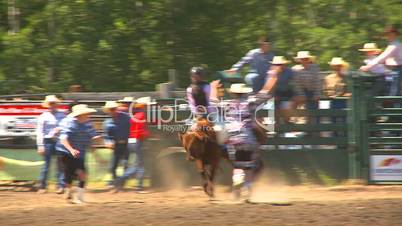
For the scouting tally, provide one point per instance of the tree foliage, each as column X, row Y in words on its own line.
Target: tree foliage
column 128, row 45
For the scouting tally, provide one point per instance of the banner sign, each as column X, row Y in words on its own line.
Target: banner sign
column 386, row 167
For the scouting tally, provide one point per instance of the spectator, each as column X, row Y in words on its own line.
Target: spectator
column 47, row 132
column 335, row 84
column 116, row 131
column 259, row 60
column 279, row 84
column 371, row 51
column 306, row 80
column 76, row 135
column 138, row 134
column 393, row 50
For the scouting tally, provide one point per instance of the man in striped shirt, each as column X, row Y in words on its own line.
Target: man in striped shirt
column 76, row 135
column 47, row 132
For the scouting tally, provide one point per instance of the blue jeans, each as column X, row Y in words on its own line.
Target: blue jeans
column 120, row 152
column 50, row 150
column 138, row 167
column 256, row 81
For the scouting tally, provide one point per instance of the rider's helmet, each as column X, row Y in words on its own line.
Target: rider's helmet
column 200, row 71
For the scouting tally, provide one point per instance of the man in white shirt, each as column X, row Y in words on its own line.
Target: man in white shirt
column 393, row 50
column 47, row 132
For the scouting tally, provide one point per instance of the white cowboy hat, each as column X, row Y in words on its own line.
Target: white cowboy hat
column 279, row 60
column 304, row 55
column 370, row 47
column 126, row 100
column 50, row 99
column 80, row 109
column 109, row 105
column 240, row 88
column 337, row 61
column 391, row 62
column 145, row 101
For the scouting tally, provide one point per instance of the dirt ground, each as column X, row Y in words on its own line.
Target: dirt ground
column 280, row 205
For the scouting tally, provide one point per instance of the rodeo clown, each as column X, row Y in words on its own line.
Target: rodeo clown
column 75, row 138
column 243, row 136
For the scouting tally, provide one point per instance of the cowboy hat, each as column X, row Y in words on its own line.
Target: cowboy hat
column 50, row 99
column 145, row 101
column 240, row 88
column 370, row 47
column 279, row 60
column 304, row 55
column 80, row 109
column 126, row 100
column 337, row 61
column 109, row 105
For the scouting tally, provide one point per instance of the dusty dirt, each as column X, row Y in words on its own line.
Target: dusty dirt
column 345, row 205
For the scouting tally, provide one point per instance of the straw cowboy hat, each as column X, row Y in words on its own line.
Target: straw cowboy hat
column 50, row 99
column 126, row 100
column 368, row 47
column 337, row 61
column 109, row 105
column 240, row 88
column 277, row 60
column 145, row 101
column 80, row 109
column 304, row 55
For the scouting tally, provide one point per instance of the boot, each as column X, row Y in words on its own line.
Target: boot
column 68, row 193
column 79, row 198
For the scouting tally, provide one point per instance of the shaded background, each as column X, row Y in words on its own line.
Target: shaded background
column 128, row 45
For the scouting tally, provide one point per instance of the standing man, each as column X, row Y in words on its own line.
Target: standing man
column 138, row 134
column 393, row 50
column 259, row 61
column 47, row 132
column 306, row 80
column 116, row 131
column 77, row 133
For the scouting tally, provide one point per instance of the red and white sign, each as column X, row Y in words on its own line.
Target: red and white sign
column 19, row 119
column 386, row 167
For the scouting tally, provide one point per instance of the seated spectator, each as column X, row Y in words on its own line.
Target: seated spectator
column 259, row 61
column 306, row 80
column 279, row 83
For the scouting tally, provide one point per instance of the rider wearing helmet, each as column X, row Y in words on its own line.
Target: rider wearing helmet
column 198, row 92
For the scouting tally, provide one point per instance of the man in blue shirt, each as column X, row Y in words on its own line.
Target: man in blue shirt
column 47, row 132
column 259, row 61
column 76, row 136
column 116, row 130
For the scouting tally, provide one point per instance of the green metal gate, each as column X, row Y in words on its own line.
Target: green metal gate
column 375, row 137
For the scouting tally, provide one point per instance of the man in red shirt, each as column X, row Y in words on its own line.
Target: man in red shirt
column 138, row 133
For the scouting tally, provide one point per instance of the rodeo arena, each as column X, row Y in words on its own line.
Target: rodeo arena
column 284, row 144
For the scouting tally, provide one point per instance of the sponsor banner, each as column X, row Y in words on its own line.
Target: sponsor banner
column 386, row 167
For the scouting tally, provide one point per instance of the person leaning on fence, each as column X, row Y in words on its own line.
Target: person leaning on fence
column 306, row 80
column 335, row 85
column 393, row 50
column 372, row 51
column 76, row 135
column 138, row 134
column 259, row 61
column 47, row 132
column 116, row 131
